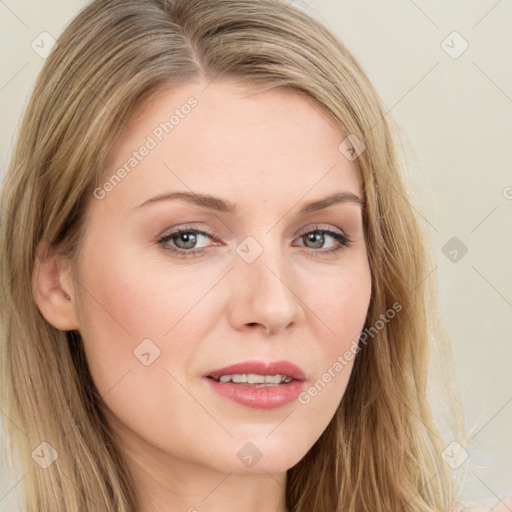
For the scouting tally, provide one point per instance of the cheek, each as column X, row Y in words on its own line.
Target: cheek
column 341, row 311
column 127, row 312
column 122, row 307
column 341, row 301
column 140, row 318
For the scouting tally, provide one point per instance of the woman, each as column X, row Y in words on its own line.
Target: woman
column 216, row 293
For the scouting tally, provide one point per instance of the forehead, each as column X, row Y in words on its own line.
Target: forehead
column 224, row 139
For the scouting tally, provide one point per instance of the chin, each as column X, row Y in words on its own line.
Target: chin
column 263, row 453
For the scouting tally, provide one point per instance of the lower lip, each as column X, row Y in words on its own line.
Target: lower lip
column 264, row 397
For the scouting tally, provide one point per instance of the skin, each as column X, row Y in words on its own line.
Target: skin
column 269, row 153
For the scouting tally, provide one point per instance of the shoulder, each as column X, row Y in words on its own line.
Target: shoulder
column 492, row 504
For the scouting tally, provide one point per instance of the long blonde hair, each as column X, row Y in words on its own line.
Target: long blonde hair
column 382, row 451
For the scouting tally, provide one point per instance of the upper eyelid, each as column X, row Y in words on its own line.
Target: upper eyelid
column 315, row 227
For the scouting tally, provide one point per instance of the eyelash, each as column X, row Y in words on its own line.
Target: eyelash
column 343, row 241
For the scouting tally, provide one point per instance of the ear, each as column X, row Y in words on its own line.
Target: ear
column 52, row 284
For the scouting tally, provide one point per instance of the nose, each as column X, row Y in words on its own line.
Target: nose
column 265, row 295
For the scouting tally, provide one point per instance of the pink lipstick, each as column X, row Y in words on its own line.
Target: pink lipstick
column 258, row 384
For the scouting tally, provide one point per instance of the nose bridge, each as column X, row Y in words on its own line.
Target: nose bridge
column 264, row 286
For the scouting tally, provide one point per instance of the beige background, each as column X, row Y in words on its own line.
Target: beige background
column 457, row 115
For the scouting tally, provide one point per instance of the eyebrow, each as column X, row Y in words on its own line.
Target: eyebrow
column 225, row 206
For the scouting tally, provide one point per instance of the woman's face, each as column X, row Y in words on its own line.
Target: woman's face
column 163, row 311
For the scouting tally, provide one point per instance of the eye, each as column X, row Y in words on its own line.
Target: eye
column 317, row 238
column 183, row 242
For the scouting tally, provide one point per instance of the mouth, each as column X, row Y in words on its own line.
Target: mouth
column 254, row 380
column 257, row 384
column 258, row 372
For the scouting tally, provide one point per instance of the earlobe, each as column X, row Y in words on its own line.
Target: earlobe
column 52, row 288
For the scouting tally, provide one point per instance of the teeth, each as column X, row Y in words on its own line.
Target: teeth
column 252, row 378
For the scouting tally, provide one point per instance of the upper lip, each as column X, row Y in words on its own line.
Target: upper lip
column 260, row 368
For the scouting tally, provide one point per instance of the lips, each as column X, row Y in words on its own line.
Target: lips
column 258, row 396
column 260, row 368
